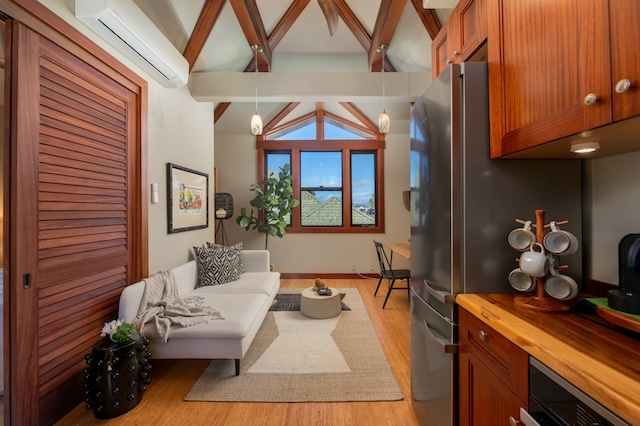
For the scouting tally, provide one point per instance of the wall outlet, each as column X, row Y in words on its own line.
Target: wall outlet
column 353, row 267
column 371, row 268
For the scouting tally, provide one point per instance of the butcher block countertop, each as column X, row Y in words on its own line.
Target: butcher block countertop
column 601, row 361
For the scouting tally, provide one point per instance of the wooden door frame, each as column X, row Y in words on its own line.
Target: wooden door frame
column 20, row 403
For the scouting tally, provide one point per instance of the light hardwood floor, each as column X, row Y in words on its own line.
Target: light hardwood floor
column 171, row 380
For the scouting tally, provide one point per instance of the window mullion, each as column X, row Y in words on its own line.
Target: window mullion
column 346, row 188
column 296, row 179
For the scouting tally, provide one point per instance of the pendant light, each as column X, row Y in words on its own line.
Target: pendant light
column 256, row 120
column 383, row 121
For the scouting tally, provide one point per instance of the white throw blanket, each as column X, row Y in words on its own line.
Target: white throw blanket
column 162, row 308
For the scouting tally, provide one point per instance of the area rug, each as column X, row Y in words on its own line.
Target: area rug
column 297, row 359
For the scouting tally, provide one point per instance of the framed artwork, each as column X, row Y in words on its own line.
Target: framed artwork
column 187, row 199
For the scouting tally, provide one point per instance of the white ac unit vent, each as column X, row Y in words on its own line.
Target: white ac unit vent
column 126, row 27
column 439, row 4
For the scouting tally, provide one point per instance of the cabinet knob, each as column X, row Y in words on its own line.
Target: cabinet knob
column 590, row 99
column 623, row 85
column 448, row 62
column 456, row 53
column 483, row 335
column 514, row 422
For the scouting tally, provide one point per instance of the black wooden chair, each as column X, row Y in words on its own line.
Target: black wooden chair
column 387, row 272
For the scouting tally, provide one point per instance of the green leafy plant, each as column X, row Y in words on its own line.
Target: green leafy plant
column 118, row 331
column 273, row 204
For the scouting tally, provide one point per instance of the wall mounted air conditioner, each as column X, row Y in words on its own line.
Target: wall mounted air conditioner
column 439, row 4
column 126, row 27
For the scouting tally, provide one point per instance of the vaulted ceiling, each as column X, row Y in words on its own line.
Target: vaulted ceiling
column 309, row 47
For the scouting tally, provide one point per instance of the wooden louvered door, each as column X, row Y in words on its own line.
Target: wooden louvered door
column 75, row 174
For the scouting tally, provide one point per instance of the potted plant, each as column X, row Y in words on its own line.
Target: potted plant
column 118, row 370
column 273, row 204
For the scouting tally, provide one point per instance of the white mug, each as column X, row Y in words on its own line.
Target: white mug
column 521, row 281
column 560, row 242
column 534, row 262
column 521, row 238
column 561, row 287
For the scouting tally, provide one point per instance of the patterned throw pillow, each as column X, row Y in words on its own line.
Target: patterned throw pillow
column 218, row 264
column 237, row 248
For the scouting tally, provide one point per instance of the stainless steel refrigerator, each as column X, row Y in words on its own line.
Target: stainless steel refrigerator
column 463, row 206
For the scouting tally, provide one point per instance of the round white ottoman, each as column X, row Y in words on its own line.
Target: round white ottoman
column 313, row 305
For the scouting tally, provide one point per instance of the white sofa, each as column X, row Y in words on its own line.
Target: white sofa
column 244, row 303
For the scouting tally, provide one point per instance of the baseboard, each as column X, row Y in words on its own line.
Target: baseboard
column 304, row 276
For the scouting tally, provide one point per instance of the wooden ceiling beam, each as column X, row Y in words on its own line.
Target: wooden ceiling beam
column 386, row 24
column 428, row 17
column 280, row 116
column 207, row 19
column 219, row 110
column 285, row 23
column 281, row 28
column 363, row 118
column 251, row 23
column 354, row 24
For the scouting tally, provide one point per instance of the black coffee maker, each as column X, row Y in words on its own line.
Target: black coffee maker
column 627, row 297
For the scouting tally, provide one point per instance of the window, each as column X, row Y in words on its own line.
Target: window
column 336, row 167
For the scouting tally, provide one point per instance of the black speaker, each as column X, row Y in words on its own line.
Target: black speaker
column 224, row 205
column 627, row 297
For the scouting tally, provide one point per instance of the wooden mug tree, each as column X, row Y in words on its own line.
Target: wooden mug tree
column 540, row 301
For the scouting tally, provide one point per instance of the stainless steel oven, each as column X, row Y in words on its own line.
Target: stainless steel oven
column 555, row 401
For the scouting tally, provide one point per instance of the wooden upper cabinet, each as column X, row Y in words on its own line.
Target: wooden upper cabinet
column 553, row 68
column 625, row 57
column 461, row 36
column 440, row 55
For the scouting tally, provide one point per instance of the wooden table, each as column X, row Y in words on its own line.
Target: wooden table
column 403, row 249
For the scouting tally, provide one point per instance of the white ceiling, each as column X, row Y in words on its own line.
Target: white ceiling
column 307, row 56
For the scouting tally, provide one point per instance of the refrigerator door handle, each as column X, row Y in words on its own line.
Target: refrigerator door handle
column 440, row 296
column 446, row 346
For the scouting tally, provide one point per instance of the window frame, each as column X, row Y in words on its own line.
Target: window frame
column 375, row 145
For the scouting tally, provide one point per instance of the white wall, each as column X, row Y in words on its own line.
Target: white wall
column 180, row 131
column 613, row 188
column 236, row 161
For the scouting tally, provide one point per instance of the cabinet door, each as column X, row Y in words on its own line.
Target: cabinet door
column 545, row 57
column 440, row 51
column 471, row 27
column 460, row 37
column 484, row 399
column 625, row 61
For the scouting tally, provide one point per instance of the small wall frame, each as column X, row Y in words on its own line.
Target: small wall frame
column 187, row 199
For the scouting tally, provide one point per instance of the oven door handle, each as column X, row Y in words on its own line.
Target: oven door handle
column 446, row 346
column 525, row 419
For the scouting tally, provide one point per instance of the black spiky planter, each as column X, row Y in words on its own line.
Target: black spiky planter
column 117, row 376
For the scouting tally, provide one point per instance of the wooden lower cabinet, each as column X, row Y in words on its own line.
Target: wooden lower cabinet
column 493, row 375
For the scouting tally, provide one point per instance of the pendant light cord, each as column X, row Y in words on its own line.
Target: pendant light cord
column 256, row 74
column 384, row 104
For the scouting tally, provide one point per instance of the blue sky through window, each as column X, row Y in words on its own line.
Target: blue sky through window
column 362, row 178
column 305, row 133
